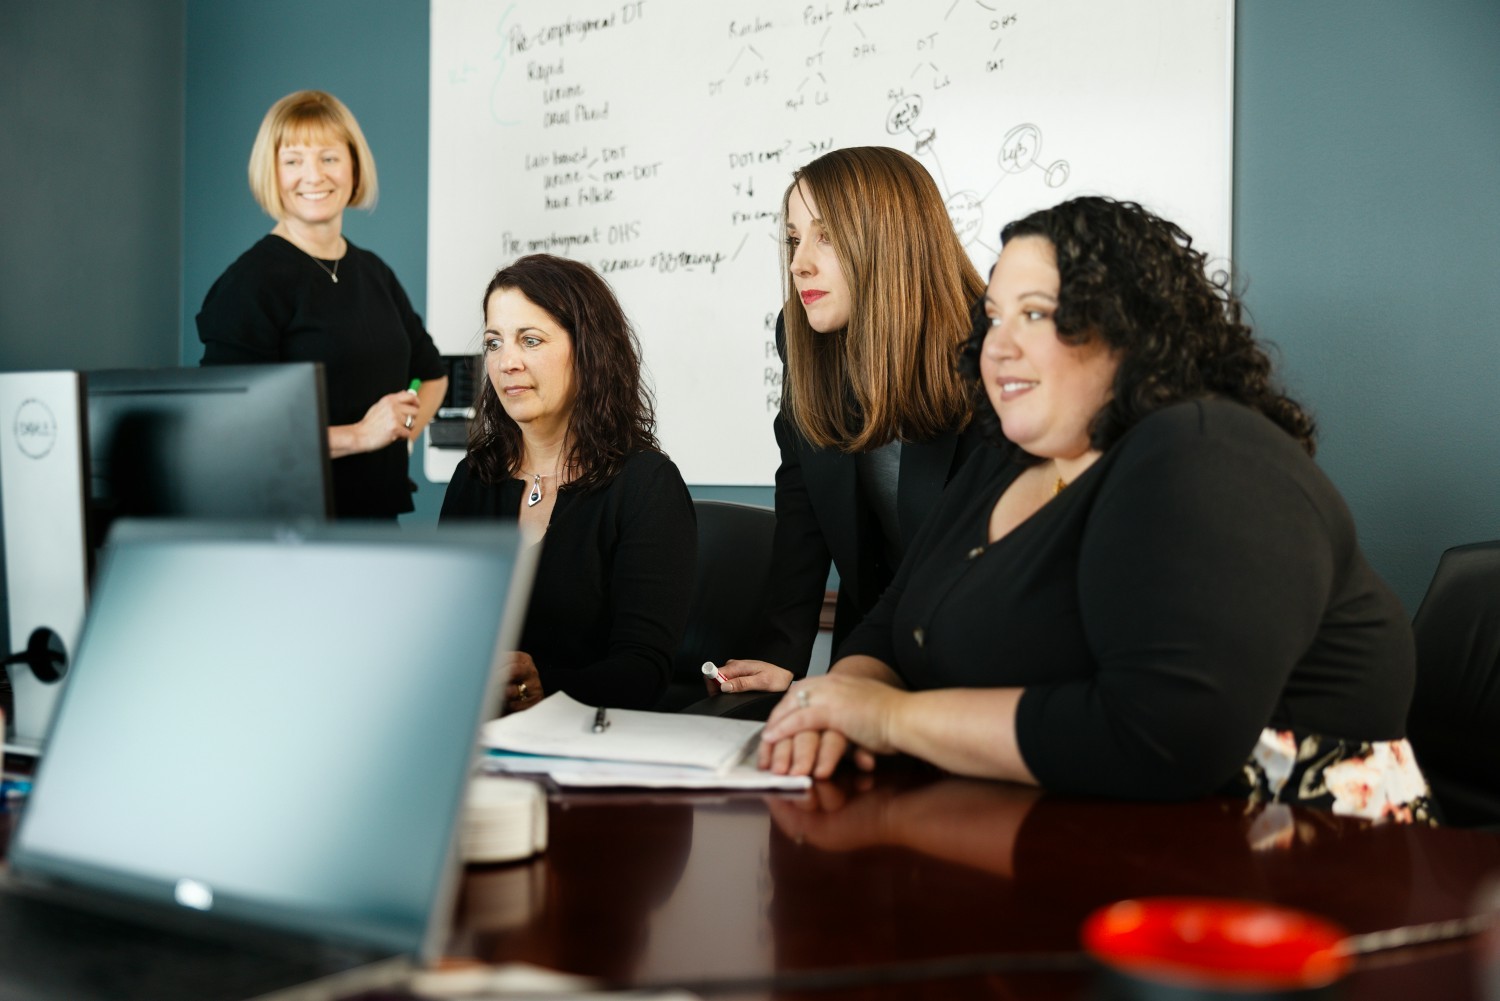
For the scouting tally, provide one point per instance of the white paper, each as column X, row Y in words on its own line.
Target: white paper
column 576, row 773
column 561, row 727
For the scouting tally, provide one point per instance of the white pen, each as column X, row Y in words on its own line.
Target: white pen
column 709, row 671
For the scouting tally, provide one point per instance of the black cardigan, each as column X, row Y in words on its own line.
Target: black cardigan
column 1199, row 582
column 614, row 581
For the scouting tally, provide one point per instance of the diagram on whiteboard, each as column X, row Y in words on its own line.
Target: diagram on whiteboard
column 655, row 139
column 1019, row 151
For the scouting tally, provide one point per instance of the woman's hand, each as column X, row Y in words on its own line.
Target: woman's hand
column 818, row 721
column 390, row 418
column 750, row 676
column 393, row 417
column 524, row 689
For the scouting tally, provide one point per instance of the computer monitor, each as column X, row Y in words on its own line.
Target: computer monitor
column 241, row 442
column 43, row 483
column 245, row 442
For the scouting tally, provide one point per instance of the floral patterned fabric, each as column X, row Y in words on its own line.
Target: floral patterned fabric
column 1377, row 780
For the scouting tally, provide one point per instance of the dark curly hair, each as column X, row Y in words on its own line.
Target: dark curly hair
column 614, row 414
column 1135, row 281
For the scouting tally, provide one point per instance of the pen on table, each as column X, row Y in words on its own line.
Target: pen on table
column 710, row 671
column 600, row 723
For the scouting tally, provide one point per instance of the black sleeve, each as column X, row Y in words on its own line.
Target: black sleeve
column 243, row 318
column 800, row 558
column 1203, row 575
column 650, row 592
column 426, row 360
column 459, row 499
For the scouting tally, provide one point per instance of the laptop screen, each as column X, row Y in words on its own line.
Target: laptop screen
column 277, row 726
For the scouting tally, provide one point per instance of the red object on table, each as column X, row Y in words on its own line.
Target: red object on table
column 1216, row 943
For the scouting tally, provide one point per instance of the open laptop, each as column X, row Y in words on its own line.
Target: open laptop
column 256, row 769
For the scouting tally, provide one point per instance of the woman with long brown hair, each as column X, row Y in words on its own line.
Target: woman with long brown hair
column 874, row 417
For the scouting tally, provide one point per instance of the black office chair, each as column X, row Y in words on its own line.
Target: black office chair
column 734, row 560
column 1454, row 725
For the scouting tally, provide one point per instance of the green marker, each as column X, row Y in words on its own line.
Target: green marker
column 416, row 384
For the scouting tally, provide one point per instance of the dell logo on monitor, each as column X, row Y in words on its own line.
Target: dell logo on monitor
column 191, row 893
column 35, row 428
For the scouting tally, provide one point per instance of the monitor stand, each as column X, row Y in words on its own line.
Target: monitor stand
column 44, row 493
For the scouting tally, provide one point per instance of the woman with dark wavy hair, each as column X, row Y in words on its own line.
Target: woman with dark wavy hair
column 563, row 441
column 1147, row 589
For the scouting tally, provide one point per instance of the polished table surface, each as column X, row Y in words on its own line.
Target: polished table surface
column 918, row 884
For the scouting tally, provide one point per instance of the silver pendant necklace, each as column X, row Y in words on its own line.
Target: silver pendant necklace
column 535, row 496
column 332, row 272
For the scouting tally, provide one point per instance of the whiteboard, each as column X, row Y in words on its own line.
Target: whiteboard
column 654, row 139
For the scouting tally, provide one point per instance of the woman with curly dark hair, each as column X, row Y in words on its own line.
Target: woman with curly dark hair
column 563, row 441
column 1147, row 589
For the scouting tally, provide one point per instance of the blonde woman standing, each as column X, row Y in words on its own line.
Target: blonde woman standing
column 305, row 293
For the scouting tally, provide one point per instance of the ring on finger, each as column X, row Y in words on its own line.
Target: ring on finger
column 521, row 690
column 408, row 422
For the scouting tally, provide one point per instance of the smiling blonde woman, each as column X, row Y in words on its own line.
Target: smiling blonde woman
column 305, row 293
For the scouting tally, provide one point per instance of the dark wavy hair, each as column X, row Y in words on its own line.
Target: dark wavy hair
column 614, row 414
column 1135, row 281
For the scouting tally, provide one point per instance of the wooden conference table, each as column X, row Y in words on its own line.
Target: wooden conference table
column 919, row 884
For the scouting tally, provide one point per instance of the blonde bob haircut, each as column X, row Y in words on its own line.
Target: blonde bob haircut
column 892, row 372
column 303, row 117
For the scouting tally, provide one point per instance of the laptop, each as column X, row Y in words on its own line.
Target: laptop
column 255, row 773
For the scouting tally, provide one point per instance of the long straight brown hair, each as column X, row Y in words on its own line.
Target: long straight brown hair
column 892, row 372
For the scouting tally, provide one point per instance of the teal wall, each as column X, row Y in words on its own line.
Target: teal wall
column 91, row 136
column 1367, row 228
column 1367, row 208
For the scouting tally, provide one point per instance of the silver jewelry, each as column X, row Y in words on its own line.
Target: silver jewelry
column 804, row 698
column 521, row 690
column 408, row 422
column 332, row 272
column 535, row 496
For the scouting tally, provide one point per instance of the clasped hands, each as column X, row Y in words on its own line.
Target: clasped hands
column 822, row 719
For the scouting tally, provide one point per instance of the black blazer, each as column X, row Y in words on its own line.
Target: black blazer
column 821, row 517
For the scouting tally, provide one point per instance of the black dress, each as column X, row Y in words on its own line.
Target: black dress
column 274, row 304
column 1199, row 584
column 614, row 581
